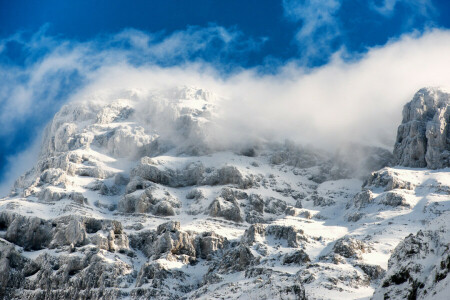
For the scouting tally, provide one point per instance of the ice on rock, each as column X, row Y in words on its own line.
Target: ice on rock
column 422, row 138
column 420, row 264
column 14, row 269
column 388, row 179
column 152, row 200
column 116, row 111
column 132, row 198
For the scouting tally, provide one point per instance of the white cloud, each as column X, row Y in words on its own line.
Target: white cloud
column 44, row 79
column 360, row 100
column 423, row 8
column 319, row 25
column 327, row 106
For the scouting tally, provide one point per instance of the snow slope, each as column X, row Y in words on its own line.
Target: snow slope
column 134, row 197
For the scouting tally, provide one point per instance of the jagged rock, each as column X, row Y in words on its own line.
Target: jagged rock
column 297, row 257
column 230, row 175
column 192, row 174
column 175, row 241
column 350, row 248
column 93, row 171
column 388, row 179
column 373, row 271
column 226, row 206
column 116, row 111
column 137, row 183
column 56, row 177
column 124, row 141
column 236, row 259
column 14, row 268
column 291, row 235
column 422, row 138
column 196, row 194
column 419, row 266
column 103, row 188
column 394, row 199
column 254, row 212
column 33, row 233
column 152, row 200
column 292, row 211
column 253, row 233
column 169, row 239
column 208, row 243
column 366, row 197
column 144, row 154
column 156, row 273
column 276, row 283
column 90, row 276
column 275, row 206
column 321, row 201
column 335, row 276
column 362, row 199
column 355, row 217
column 258, row 283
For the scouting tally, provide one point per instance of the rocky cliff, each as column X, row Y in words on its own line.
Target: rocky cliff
column 132, row 199
column 423, row 138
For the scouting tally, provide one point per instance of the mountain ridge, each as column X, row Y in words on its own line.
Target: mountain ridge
column 133, row 198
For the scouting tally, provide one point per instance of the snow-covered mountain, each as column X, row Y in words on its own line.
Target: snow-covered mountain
column 135, row 197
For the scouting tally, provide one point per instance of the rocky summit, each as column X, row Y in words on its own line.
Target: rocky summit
column 134, row 197
column 423, row 138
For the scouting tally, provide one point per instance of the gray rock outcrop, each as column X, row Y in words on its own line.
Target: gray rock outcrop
column 419, row 267
column 423, row 138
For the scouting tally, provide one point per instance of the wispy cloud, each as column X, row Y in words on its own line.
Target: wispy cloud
column 52, row 67
column 324, row 29
column 417, row 8
column 318, row 25
column 340, row 101
column 38, row 73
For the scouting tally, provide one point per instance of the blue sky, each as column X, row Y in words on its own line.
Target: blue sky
column 50, row 49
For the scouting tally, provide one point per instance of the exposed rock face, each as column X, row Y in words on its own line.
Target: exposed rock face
column 423, row 137
column 13, row 270
column 128, row 200
column 350, row 248
column 420, row 265
column 387, row 179
column 285, row 234
column 153, row 200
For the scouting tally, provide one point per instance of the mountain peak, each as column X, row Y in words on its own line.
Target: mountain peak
column 129, row 199
column 422, row 138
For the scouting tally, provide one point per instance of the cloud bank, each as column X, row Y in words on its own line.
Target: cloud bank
column 339, row 102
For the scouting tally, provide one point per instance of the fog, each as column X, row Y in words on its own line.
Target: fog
column 343, row 101
column 357, row 101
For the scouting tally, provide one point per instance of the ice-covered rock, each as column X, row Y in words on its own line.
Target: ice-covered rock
column 347, row 247
column 226, row 208
column 420, row 265
column 287, row 234
column 388, row 179
column 422, row 138
column 129, row 199
column 14, row 268
column 152, row 200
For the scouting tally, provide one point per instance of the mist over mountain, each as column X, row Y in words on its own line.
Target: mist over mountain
column 146, row 193
column 198, row 149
